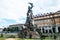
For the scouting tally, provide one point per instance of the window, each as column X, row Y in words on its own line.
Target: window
column 55, row 15
column 58, row 14
column 51, row 16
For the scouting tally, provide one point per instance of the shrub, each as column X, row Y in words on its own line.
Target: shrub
column 1, row 35
column 11, row 36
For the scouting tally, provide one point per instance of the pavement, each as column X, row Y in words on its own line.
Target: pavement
column 10, row 39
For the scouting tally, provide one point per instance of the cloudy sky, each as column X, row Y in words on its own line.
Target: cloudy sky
column 14, row 11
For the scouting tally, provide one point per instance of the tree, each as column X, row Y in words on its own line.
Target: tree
column 11, row 29
column 8, row 29
column 1, row 35
column 5, row 29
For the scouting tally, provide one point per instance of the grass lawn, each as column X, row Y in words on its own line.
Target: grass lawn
column 2, row 38
column 23, row 39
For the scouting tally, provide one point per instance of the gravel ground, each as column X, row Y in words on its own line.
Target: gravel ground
column 10, row 39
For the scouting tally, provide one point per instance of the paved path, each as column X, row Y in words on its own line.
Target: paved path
column 10, row 39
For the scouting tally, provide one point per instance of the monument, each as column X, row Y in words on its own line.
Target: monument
column 29, row 21
column 29, row 28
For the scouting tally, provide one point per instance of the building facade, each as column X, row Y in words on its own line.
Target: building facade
column 17, row 25
column 1, row 29
column 49, row 21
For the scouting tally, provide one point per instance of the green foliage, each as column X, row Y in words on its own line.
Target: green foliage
column 11, row 29
column 11, row 36
column 1, row 35
column 5, row 29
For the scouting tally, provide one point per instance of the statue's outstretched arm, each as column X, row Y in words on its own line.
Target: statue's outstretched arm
column 31, row 5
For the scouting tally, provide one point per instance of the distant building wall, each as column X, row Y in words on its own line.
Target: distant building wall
column 1, row 29
column 17, row 25
column 48, row 19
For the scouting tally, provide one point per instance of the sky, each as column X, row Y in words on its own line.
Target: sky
column 14, row 11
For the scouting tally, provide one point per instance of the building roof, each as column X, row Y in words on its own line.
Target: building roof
column 47, row 14
column 16, row 25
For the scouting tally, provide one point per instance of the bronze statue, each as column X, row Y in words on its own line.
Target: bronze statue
column 29, row 25
column 29, row 19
